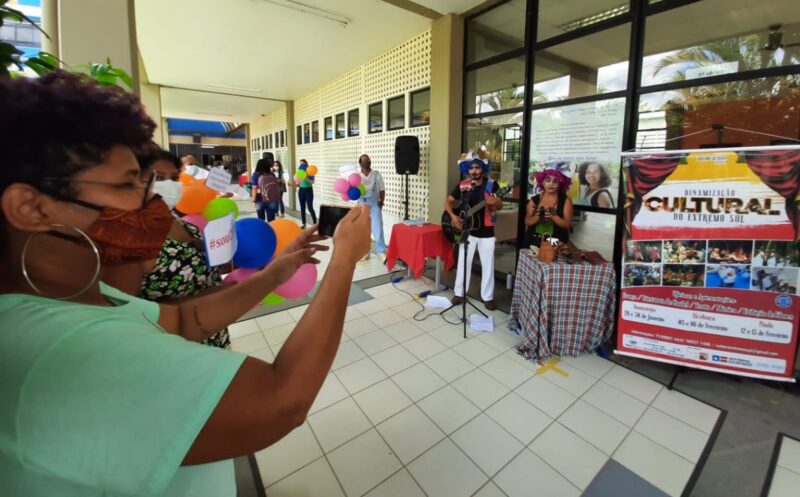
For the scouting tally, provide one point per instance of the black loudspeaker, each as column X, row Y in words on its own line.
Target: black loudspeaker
column 406, row 155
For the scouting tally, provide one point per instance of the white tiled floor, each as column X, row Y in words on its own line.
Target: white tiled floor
column 411, row 408
column 786, row 479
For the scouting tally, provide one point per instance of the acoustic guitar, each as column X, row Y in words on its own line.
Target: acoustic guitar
column 469, row 219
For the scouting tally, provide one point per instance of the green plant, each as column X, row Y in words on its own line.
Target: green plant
column 9, row 54
column 105, row 74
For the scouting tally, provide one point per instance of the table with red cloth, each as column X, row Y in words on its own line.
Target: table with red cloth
column 562, row 308
column 413, row 244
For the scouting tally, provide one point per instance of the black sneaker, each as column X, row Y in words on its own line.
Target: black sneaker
column 490, row 305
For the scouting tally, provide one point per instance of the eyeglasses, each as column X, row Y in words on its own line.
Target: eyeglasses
column 148, row 185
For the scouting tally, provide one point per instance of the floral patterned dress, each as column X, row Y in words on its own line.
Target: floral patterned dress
column 180, row 272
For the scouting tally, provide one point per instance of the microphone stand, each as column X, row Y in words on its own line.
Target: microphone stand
column 464, row 242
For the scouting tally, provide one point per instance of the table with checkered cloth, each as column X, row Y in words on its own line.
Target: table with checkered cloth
column 560, row 308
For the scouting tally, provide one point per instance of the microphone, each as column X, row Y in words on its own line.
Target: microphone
column 473, row 185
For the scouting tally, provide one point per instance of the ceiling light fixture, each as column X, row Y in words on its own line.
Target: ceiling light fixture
column 215, row 114
column 234, row 88
column 308, row 9
column 207, row 145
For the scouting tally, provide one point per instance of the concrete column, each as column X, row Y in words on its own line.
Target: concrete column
column 447, row 74
column 96, row 30
column 291, row 193
column 50, row 26
column 150, row 95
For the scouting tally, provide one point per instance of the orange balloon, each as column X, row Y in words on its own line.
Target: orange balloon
column 185, row 178
column 286, row 231
column 312, row 170
column 196, row 196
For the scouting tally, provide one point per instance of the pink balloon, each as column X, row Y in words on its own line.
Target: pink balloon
column 355, row 179
column 197, row 220
column 345, row 197
column 300, row 284
column 297, row 180
column 239, row 275
column 341, row 185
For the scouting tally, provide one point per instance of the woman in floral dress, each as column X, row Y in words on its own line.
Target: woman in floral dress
column 180, row 270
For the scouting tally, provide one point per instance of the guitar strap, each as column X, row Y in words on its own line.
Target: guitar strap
column 489, row 216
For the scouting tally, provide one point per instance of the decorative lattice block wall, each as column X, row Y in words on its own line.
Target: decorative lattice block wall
column 403, row 69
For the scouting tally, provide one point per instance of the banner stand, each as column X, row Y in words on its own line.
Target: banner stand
column 709, row 260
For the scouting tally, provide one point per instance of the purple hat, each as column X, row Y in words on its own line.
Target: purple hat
column 563, row 182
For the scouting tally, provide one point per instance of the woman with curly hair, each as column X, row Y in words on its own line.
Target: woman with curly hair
column 104, row 393
column 550, row 212
column 594, row 182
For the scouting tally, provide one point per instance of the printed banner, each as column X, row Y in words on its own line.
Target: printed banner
column 711, row 267
column 583, row 142
column 219, row 238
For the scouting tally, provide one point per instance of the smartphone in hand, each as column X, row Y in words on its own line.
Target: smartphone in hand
column 329, row 217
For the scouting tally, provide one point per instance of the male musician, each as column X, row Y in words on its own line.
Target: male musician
column 472, row 191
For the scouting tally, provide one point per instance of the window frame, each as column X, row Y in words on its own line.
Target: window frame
column 389, row 112
column 411, row 107
column 336, row 126
column 369, row 114
column 357, row 112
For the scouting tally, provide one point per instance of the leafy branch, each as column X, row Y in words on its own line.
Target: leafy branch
column 10, row 56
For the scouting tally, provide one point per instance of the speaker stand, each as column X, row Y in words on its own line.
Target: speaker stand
column 406, row 200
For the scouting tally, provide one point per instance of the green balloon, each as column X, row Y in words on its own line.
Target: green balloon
column 220, row 207
column 272, row 299
column 305, row 184
column 300, row 174
column 362, row 189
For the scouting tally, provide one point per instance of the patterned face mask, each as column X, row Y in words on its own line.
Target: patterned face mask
column 129, row 236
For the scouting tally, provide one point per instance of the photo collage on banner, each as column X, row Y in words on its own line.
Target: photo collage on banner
column 711, row 266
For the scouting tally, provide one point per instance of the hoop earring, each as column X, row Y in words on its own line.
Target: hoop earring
column 35, row 288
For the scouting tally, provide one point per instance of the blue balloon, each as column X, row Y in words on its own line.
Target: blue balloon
column 302, row 167
column 353, row 193
column 311, row 178
column 256, row 242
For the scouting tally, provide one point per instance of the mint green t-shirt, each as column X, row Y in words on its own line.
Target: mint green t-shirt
column 99, row 401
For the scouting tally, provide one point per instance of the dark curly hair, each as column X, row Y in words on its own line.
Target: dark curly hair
column 154, row 153
column 605, row 179
column 61, row 124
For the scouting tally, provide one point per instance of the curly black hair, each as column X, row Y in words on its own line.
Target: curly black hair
column 155, row 153
column 605, row 179
column 61, row 124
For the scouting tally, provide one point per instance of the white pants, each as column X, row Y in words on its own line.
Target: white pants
column 485, row 248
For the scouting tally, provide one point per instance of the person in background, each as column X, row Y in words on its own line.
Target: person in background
column 305, row 194
column 277, row 169
column 264, row 210
column 104, row 393
column 190, row 166
column 550, row 212
column 373, row 197
column 179, row 271
column 188, row 160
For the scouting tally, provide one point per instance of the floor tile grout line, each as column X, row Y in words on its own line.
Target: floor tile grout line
column 528, row 447
column 482, row 411
column 627, row 428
